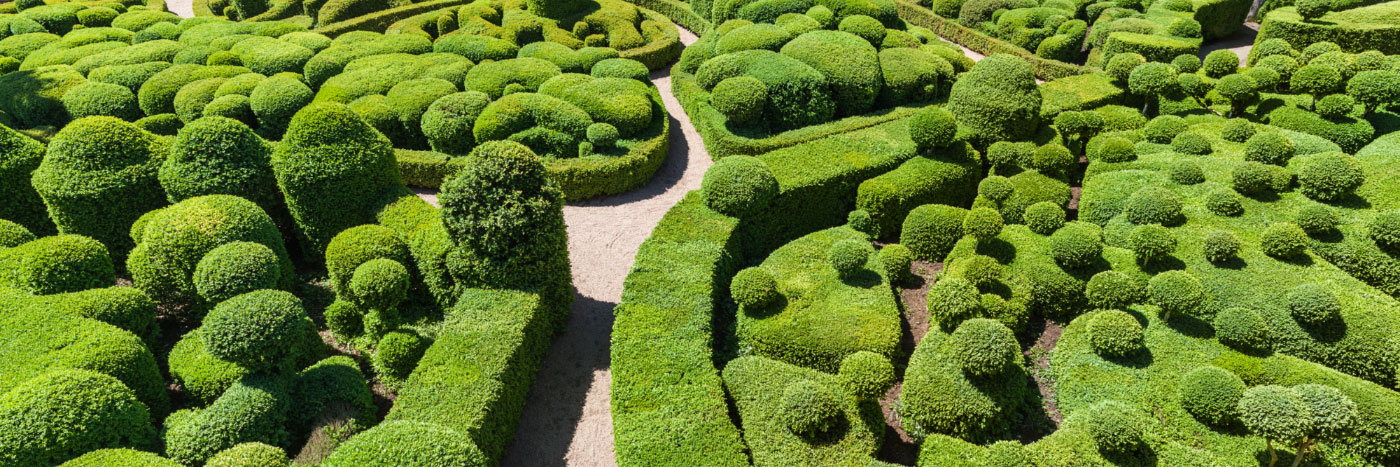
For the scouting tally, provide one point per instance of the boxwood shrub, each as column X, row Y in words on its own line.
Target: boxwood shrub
column 61, row 414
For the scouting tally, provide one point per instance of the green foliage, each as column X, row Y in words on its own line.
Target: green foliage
column 1239, row 130
column 848, row 257
column 741, row 99
column 602, row 135
column 61, row 414
column 1115, row 333
column 448, row 122
column 932, row 127
column 981, row 270
column 1121, row 66
column 997, row 100
column 1151, row 242
column 867, row 374
column 952, row 301
column 1044, row 217
column 1252, row 178
column 1330, row 176
column 1177, row 292
column 397, row 354
column 984, row 347
column 120, row 458
column 1152, row 79
column 1312, row 9
column 1052, row 159
column 1073, row 248
column 1335, row 106
column 1186, row 172
column 1153, row 205
column 754, row 288
column 1211, row 394
column 1186, row 63
column 1116, row 427
column 92, row 98
column 861, row 221
column 1374, row 88
column 1242, row 328
column 1224, row 203
column 250, row 455
column 56, row 264
column 1190, row 142
column 1220, row 246
column 850, row 63
column 275, row 101
column 380, row 283
column 809, row 408
column 996, row 188
column 1385, row 230
column 1112, row 149
column 217, row 155
column 236, row 268
column 1240, row 89
column 1220, row 62
column 13, row 235
column 1315, row 79
column 1313, row 305
column 407, row 444
column 1284, row 240
column 896, row 258
column 1317, row 219
column 1164, row 128
column 357, row 246
column 257, row 330
column 1269, row 148
column 1275, row 413
column 739, row 186
column 252, row 410
column 982, row 223
column 1113, row 290
column 19, row 156
column 1330, row 412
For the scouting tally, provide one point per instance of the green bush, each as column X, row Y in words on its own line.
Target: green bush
column 380, row 284
column 13, row 235
column 1151, row 242
column 1252, row 178
column 619, row 68
column 896, row 259
column 1153, row 205
column 56, row 264
column 984, row 347
column 982, row 223
column 1242, row 328
column 952, row 301
column 332, row 385
column 931, row 230
column 1385, row 230
column 754, row 288
column 1112, row 149
column 848, row 256
column 1317, row 219
column 997, row 100
column 1116, row 427
column 739, row 186
column 996, row 188
column 602, row 135
column 911, row 75
column 397, row 354
column 275, row 101
column 250, row 455
column 401, row 443
column 1284, row 240
column 933, row 127
column 1112, row 290
column 1224, row 203
column 192, row 98
column 1335, row 106
column 1330, row 176
column 157, row 93
column 236, row 268
column 867, row 374
column 1269, row 148
column 1220, row 63
column 1115, row 333
column 1374, row 88
column 980, row 270
column 120, row 458
column 251, row 410
column 61, row 414
column 1074, row 249
column 1044, row 217
column 234, row 106
column 1052, row 159
column 1163, row 129
column 861, row 221
column 257, row 330
column 448, row 122
column 100, row 175
column 1220, row 246
column 1241, row 90
column 850, row 63
column 809, row 408
column 1211, row 394
column 1311, row 304
column 1275, row 413
column 357, row 246
column 1186, row 172
column 1190, row 142
column 92, row 98
column 217, row 155
column 1330, row 411
column 1239, row 130
column 742, row 99
column 1152, row 79
column 19, row 156
column 1186, row 63
column 1315, row 79
column 160, row 124
column 1176, row 291
column 1121, row 66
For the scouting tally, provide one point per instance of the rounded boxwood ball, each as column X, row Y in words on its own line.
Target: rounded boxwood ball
column 1335, row 106
column 1187, row 63
column 1151, row 242
column 1313, row 304
column 1252, row 178
column 1190, row 142
column 738, row 186
column 1242, row 329
column 1211, row 394
column 861, row 221
column 896, row 258
column 866, row 374
column 1044, row 217
column 94, row 98
column 1112, row 290
column 808, row 408
column 996, row 188
column 402, row 443
column 602, row 135
column 234, row 269
column 984, row 347
column 1051, row 159
column 1274, row 412
column 1153, row 205
column 1220, row 63
column 952, row 300
column 1115, row 427
column 1074, row 249
column 1187, row 173
column 1385, row 230
column 1330, row 176
column 380, row 283
column 13, row 235
column 1112, row 149
column 1224, row 203
column 1121, row 66
column 983, row 223
column 345, row 318
column 981, row 270
column 1269, row 148
column 398, row 352
column 1317, row 219
column 1115, row 333
column 58, row 415
column 1238, row 130
column 1176, row 291
column 932, row 127
column 1330, row 411
column 741, row 99
column 252, row 454
column 1284, row 240
column 257, row 329
column 1007, row 454
column 848, row 256
column 1164, row 128
column 754, row 288
column 1220, row 246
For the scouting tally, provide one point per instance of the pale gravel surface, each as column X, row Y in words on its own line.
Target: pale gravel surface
column 184, row 8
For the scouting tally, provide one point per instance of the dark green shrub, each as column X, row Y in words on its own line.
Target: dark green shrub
column 982, row 223
column 1284, row 65
column 1330, row 176
column 896, row 259
column 1153, row 205
column 1374, row 88
column 1224, row 203
column 1311, row 304
column 401, row 443
column 1242, row 328
column 932, row 127
column 258, row 329
column 984, row 347
column 1074, row 248
column 931, row 230
column 911, row 75
column 1186, row 172
column 275, row 101
column 1335, row 106
column 739, row 186
column 1211, row 394
column 864, row 27
column 1284, row 240
column 236, row 268
column 1241, row 90
column 996, row 188
column 1252, row 178
column 1220, row 63
column 335, row 171
column 1112, row 149
column 410, row 100
column 809, row 408
column 250, row 455
column 754, row 288
column 1190, row 142
column 848, row 256
column 345, row 318
column 1330, row 411
column 867, row 374
column 1115, row 333
column 120, row 458
column 1186, row 63
column 1007, row 155
column 160, row 124
column 1317, row 219
column 1052, row 159
column 997, row 100
column 861, row 221
column 252, row 410
column 1112, row 290
column 92, row 98
column 1312, row 9
column 1176, row 291
column 96, row 17
column 1275, row 413
column 1115, row 427
column 192, row 98
column 1121, row 66
column 1269, row 148
column 448, row 122
column 1044, row 217
column 61, row 414
column 100, row 175
column 1164, row 128
column 397, row 354
column 234, row 106
column 1385, row 230
column 952, row 301
column 602, row 135
column 216, row 155
column 741, row 99
column 1152, row 79
column 157, row 93
column 357, row 246
column 1239, row 130
column 1315, row 79
column 380, row 284
column 980, row 270
column 56, row 264
column 1220, row 246
column 19, row 156
column 1151, row 242
column 13, row 235
column 619, row 68
column 850, row 63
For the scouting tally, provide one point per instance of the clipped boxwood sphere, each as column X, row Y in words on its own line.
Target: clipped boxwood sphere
column 380, row 283
column 983, row 223
column 1006, row 154
column 1112, row 290
column 398, row 352
column 1211, row 394
column 402, row 443
column 984, row 347
column 1176, row 291
column 1153, row 205
column 981, row 270
column 864, row 26
column 250, row 455
column 1274, row 412
column 808, row 408
column 953, row 300
column 1284, row 240
column 1008, row 454
column 932, row 127
column 1335, row 106
column 1220, row 63
column 1224, row 203
column 1151, row 79
column 738, row 186
column 741, row 99
column 13, row 235
column 1115, row 333
column 94, row 98
column 848, row 256
column 1242, row 329
column 1190, row 142
column 1121, row 66
column 896, row 258
column 1238, row 130
column 754, row 288
column 1044, row 217
column 448, row 121
column 1330, row 411
column 996, row 188
column 1269, row 148
column 1151, row 242
column 1164, row 128
column 1112, row 149
column 1317, row 219
column 56, row 264
column 861, row 221
column 257, row 329
column 1116, row 427
column 1385, row 230
column 1186, row 173
column 1187, row 63
column 345, row 318
column 602, row 135
column 234, row 269
column 1051, row 159
column 1220, row 246
column 1313, row 304
column 1330, row 176
column 867, row 374
column 1252, row 178
column 59, row 415
column 1074, row 249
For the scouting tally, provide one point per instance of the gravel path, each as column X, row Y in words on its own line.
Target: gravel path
column 184, row 8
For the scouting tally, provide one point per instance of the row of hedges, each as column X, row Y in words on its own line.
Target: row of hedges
column 1355, row 30
column 981, row 43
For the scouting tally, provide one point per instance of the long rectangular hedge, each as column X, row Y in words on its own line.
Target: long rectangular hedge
column 949, row 29
column 680, row 13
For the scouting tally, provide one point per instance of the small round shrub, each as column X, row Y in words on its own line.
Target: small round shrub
column 1190, row 142
column 1252, row 178
column 1330, row 411
column 984, row 347
column 896, row 259
column 602, row 135
column 864, row 26
column 867, row 374
column 1006, row 154
column 1265, row 79
column 257, row 329
column 1121, row 66
column 56, row 264
column 952, row 301
column 1112, row 290
column 1211, row 394
column 1052, row 159
column 981, row 270
column 276, row 100
column 354, row 247
column 1113, row 149
column 1115, row 333
column 1153, row 205
column 1312, row 9
column 1315, row 79
column 217, row 155
column 809, row 408
column 380, row 283
column 738, row 186
column 1151, row 242
column 741, row 99
column 1151, row 79
column 13, row 235
column 1385, row 230
column 1187, row 63
column 345, row 318
column 397, row 354
column 1186, row 173
column 983, row 223
column 1238, row 130
column 1220, row 246
column 932, row 127
column 1074, row 249
column 1284, row 240
column 1312, row 304
column 94, row 98
column 1317, row 219
column 1044, row 217
column 1242, row 329
column 234, row 269
column 754, row 288
column 1224, row 203
column 1330, row 176
column 63, row 413
column 1375, row 88
column 1220, row 63
column 234, row 106
column 996, row 188
column 1274, row 412
column 1176, row 292
column 448, row 122
column 1335, row 106
column 848, row 256
column 402, row 443
column 1269, row 148
column 1115, row 427
column 252, row 454
column 1007, row 454
column 860, row 221
column 996, row 100
column 1164, row 128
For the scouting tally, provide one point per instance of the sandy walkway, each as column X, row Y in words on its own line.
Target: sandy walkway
column 184, row 8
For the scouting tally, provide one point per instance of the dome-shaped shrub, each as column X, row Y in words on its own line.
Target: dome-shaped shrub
column 867, row 374
column 1224, row 203
column 1113, row 290
column 250, row 455
column 380, row 283
column 276, row 100
column 980, row 270
column 1121, row 66
column 984, row 347
column 402, row 443
column 1269, row 148
column 94, row 98
column 1312, row 304
column 996, row 100
column 56, row 264
column 1242, row 329
column 1284, row 240
column 1052, row 159
column 754, row 288
column 1317, row 219
column 218, row 155
column 1274, row 413
column 1112, row 149
column 1252, row 178
column 864, row 26
column 448, row 121
column 1151, row 242
column 1330, row 411
column 983, row 223
column 953, row 300
column 1335, row 106
column 61, row 414
column 896, row 258
column 1187, row 63
column 848, row 256
column 1219, row 63
column 1074, row 248
column 1385, row 230
column 1190, row 142
column 1238, row 130
column 931, row 230
column 1186, row 173
column 1330, row 176
column 1154, row 205
column 741, row 99
column 996, row 188
column 19, row 156
column 397, row 354
column 1115, row 427
column 1115, row 333
column 738, row 186
column 932, row 127
column 1044, row 217
column 13, row 235
column 1164, row 128
column 257, row 329
column 602, row 135
column 1211, row 394
column 234, row 106
column 236, row 268
column 808, row 408
column 1220, row 246
column 1176, row 292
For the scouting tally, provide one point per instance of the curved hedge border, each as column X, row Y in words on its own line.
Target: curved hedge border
column 679, row 13
column 981, row 43
column 1286, row 24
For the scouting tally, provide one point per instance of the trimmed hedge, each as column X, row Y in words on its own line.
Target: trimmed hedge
column 407, row 444
column 252, row 410
column 20, row 155
column 61, row 414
